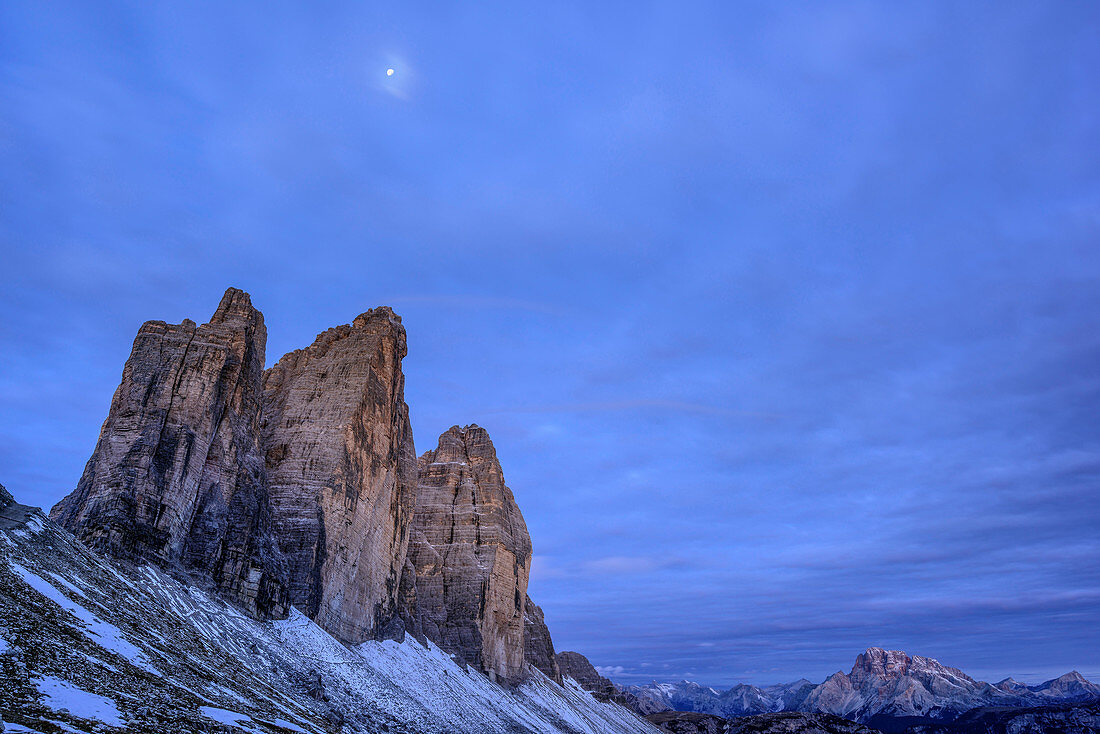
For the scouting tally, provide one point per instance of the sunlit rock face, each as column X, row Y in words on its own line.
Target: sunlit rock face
column 341, row 471
column 176, row 477
column 469, row 556
column 894, row 683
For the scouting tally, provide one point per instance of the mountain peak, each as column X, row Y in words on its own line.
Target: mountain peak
column 235, row 304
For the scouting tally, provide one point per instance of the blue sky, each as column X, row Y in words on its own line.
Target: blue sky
column 785, row 321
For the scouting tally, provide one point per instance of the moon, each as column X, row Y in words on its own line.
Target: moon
column 389, row 72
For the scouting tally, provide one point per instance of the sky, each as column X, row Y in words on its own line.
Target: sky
column 784, row 318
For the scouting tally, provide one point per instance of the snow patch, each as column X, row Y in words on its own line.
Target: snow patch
column 225, row 716
column 102, row 633
column 59, row 695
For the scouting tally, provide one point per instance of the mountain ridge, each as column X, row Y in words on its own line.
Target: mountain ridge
column 882, row 683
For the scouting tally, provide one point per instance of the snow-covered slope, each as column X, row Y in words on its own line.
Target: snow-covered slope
column 91, row 644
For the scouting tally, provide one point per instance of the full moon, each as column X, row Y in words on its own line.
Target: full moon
column 389, row 72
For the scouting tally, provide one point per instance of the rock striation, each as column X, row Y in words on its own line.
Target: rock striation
column 341, row 472
column 469, row 556
column 177, row 477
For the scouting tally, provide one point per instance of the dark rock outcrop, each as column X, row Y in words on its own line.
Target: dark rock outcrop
column 341, row 472
column 1059, row 719
column 689, row 722
column 789, row 722
column 538, row 647
column 176, row 477
column 576, row 666
column 469, row 556
column 792, row 722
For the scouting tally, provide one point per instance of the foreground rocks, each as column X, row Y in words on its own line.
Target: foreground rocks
column 341, row 471
column 176, row 477
column 469, row 556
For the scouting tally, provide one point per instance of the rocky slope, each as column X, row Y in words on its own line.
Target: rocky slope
column 681, row 722
column 89, row 644
column 1079, row 718
column 341, row 472
column 177, row 477
column 469, row 556
column 690, row 722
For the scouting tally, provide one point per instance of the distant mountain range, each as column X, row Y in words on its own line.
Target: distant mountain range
column 882, row 685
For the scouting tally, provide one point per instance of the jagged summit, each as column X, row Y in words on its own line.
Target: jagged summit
column 236, row 305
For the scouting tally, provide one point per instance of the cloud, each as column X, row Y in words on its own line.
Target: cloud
column 606, row 670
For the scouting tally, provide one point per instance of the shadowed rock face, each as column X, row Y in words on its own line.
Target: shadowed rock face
column 469, row 556
column 176, row 477
column 576, row 666
column 538, row 647
column 341, row 471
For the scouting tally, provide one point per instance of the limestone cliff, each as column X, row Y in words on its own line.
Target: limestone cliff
column 176, row 477
column 469, row 556
column 341, row 471
column 300, row 486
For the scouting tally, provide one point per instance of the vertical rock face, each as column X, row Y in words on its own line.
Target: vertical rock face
column 341, row 471
column 538, row 647
column 177, row 477
column 469, row 556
